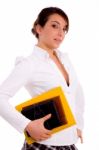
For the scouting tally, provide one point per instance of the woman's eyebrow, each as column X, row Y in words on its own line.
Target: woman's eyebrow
column 58, row 23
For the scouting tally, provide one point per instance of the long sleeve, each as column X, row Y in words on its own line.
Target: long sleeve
column 17, row 79
column 79, row 96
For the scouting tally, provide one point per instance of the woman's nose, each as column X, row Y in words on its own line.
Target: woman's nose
column 61, row 32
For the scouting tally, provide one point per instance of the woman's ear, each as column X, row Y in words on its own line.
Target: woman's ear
column 38, row 29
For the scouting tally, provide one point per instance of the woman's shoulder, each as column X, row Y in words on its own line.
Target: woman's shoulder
column 25, row 63
column 22, row 62
column 19, row 60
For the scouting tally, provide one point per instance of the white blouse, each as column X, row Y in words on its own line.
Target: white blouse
column 38, row 73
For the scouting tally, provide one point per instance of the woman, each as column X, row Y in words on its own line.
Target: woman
column 44, row 69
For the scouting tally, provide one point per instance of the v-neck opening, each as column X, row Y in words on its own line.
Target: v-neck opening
column 67, row 83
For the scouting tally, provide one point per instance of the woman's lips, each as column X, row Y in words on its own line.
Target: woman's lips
column 58, row 40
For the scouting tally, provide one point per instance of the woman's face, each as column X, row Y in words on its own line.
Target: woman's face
column 53, row 33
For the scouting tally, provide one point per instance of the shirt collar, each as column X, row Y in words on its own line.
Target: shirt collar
column 43, row 53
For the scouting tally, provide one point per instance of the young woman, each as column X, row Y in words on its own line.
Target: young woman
column 47, row 67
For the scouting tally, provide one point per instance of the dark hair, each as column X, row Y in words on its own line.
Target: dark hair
column 44, row 16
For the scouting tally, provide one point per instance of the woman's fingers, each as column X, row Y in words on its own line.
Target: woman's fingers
column 79, row 133
column 45, row 118
column 37, row 130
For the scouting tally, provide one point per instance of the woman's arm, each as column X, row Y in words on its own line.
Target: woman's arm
column 18, row 78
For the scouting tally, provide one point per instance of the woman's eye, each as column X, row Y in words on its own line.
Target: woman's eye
column 55, row 26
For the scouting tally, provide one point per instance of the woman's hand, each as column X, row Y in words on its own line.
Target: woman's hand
column 79, row 133
column 37, row 130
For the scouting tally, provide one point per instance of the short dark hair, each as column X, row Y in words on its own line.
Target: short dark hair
column 43, row 17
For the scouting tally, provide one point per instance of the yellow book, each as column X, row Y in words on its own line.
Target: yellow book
column 52, row 102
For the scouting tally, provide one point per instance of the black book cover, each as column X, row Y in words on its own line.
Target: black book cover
column 41, row 109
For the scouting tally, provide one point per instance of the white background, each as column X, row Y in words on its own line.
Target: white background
column 81, row 43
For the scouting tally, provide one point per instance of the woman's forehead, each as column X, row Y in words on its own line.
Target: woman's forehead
column 57, row 18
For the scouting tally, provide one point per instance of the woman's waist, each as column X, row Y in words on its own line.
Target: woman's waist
column 65, row 137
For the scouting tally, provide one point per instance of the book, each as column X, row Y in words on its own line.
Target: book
column 52, row 102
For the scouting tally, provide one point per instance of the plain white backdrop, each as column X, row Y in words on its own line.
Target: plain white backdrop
column 81, row 43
